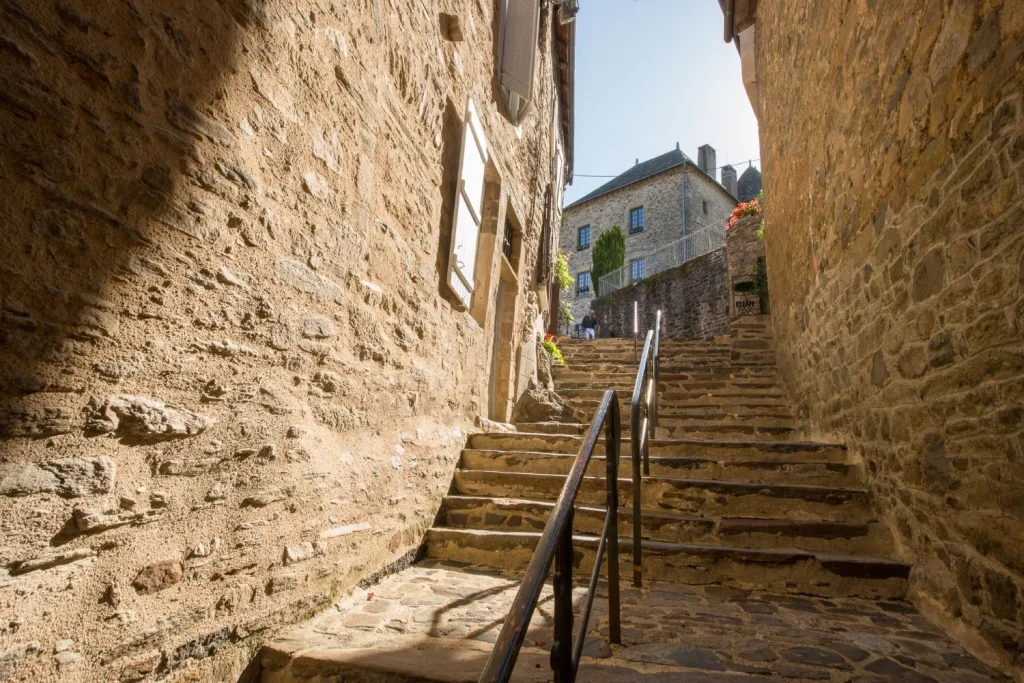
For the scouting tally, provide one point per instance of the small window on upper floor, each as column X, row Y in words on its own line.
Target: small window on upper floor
column 583, row 283
column 705, row 203
column 583, row 238
column 636, row 220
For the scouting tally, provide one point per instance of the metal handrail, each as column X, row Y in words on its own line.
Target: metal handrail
column 643, row 423
column 556, row 542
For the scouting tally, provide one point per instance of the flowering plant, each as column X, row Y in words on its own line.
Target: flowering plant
column 751, row 208
column 553, row 350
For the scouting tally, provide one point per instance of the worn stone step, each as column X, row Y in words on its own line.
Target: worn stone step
column 670, row 409
column 682, row 428
column 693, row 496
column 802, row 471
column 717, row 449
column 508, row 514
column 776, row 569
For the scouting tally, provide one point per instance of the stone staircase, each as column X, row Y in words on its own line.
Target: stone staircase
column 735, row 504
column 733, row 497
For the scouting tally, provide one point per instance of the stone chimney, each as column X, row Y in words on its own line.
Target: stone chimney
column 729, row 181
column 706, row 160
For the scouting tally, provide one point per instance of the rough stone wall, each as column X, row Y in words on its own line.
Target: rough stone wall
column 744, row 246
column 660, row 195
column 892, row 137
column 702, row 189
column 232, row 383
column 693, row 299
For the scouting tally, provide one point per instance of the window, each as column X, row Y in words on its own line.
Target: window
column 636, row 269
column 506, row 243
column 520, row 31
column 636, row 220
column 583, row 241
column 583, row 283
column 468, row 208
column 705, row 203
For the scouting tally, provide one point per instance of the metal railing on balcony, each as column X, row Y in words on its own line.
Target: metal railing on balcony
column 697, row 243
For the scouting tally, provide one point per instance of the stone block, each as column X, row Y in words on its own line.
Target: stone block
column 68, row 477
column 158, row 576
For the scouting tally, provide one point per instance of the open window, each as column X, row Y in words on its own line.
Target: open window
column 468, row 212
column 520, row 28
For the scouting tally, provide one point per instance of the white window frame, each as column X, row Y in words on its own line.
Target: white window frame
column 467, row 214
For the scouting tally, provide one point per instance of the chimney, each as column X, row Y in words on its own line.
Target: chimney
column 706, row 159
column 729, row 181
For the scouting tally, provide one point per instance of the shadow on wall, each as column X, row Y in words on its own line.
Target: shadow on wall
column 100, row 115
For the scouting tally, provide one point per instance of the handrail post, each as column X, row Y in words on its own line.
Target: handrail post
column 657, row 373
column 613, row 437
column 561, row 647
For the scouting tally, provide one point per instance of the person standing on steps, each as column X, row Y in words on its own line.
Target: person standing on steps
column 590, row 325
column 604, row 330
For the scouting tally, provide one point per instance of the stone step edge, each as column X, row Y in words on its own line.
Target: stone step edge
column 843, row 565
column 494, row 453
column 732, row 525
column 725, row 443
column 747, row 487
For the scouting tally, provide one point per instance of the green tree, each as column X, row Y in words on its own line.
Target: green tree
column 609, row 253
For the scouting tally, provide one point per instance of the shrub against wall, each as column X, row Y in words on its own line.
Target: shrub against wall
column 609, row 254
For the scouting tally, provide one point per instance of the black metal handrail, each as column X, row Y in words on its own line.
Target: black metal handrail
column 556, row 542
column 643, row 424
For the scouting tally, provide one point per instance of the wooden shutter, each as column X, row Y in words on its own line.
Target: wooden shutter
column 469, row 204
column 544, row 259
column 520, row 29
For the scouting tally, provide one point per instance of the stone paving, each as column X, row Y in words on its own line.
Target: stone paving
column 710, row 633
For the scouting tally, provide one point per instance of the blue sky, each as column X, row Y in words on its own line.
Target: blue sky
column 650, row 73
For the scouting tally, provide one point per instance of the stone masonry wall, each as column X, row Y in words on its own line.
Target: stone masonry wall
column 745, row 247
column 892, row 138
column 231, row 381
column 663, row 224
column 703, row 190
column 693, row 299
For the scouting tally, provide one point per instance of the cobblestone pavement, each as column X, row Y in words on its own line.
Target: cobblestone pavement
column 710, row 632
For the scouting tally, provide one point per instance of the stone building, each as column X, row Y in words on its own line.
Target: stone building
column 892, row 139
column 656, row 203
column 264, row 263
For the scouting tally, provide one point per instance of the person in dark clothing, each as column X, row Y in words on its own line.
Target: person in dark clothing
column 604, row 330
column 589, row 325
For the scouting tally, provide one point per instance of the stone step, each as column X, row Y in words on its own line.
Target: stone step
column 673, row 389
column 717, row 449
column 719, row 412
column 776, row 569
column 676, row 371
column 682, row 428
column 507, row 514
column 693, row 496
column 796, row 471
column 718, row 402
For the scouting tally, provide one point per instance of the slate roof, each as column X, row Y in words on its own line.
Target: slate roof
column 636, row 173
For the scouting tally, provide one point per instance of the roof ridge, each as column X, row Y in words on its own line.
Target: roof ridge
column 636, row 173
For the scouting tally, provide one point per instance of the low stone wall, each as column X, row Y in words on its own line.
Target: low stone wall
column 693, row 299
